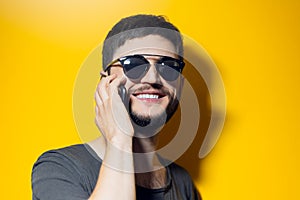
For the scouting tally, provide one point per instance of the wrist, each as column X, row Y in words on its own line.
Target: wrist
column 118, row 155
column 121, row 141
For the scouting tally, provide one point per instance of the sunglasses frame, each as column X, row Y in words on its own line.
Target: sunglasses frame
column 179, row 69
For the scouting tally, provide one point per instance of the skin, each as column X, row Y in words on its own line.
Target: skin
column 120, row 138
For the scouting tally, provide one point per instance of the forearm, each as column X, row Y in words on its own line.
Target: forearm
column 116, row 176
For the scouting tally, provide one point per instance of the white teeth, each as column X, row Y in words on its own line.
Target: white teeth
column 147, row 96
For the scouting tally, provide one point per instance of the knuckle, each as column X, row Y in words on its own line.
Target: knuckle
column 105, row 99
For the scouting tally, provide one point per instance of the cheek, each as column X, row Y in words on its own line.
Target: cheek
column 175, row 88
column 117, row 70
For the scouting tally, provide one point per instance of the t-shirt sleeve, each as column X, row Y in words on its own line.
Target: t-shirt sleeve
column 184, row 183
column 55, row 177
column 194, row 193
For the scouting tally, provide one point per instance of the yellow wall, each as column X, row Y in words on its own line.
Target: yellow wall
column 255, row 44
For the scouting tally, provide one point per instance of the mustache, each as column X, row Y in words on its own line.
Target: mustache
column 159, row 88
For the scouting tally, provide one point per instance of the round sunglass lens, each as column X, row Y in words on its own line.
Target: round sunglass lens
column 169, row 70
column 168, row 73
column 137, row 72
column 134, row 67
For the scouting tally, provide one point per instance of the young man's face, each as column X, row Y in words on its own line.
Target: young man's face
column 152, row 98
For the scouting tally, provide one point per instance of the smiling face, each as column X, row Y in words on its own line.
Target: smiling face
column 152, row 99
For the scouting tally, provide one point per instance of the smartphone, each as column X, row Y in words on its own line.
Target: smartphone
column 123, row 93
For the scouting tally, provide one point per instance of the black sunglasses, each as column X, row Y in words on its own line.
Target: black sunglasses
column 136, row 66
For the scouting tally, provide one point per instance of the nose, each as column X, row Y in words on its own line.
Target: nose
column 152, row 76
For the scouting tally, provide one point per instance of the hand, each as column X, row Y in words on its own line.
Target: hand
column 112, row 118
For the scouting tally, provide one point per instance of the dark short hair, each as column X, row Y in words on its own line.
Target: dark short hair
column 139, row 26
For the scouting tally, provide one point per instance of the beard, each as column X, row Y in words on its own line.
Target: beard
column 146, row 125
column 151, row 124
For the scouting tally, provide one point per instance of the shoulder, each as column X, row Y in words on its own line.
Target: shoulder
column 183, row 181
column 178, row 172
column 66, row 172
column 73, row 150
column 71, row 156
column 175, row 171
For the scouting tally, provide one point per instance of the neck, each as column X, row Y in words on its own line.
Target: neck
column 149, row 171
column 145, row 158
column 144, row 145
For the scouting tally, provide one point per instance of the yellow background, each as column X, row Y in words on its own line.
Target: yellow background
column 254, row 43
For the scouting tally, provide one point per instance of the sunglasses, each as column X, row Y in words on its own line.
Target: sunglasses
column 136, row 66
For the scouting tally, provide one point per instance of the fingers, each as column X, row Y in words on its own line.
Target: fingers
column 103, row 74
column 103, row 87
column 107, row 89
column 117, row 82
column 108, row 85
column 98, row 100
column 111, row 113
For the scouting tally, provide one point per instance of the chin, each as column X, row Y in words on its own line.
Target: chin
column 144, row 120
column 152, row 120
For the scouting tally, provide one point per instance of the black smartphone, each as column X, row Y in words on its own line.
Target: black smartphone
column 123, row 93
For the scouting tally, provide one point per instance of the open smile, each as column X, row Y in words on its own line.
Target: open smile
column 149, row 96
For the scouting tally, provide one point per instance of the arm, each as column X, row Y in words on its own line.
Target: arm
column 116, row 176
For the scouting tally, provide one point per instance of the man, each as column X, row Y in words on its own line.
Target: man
column 137, row 94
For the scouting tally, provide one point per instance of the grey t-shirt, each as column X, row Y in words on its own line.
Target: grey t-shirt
column 71, row 173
